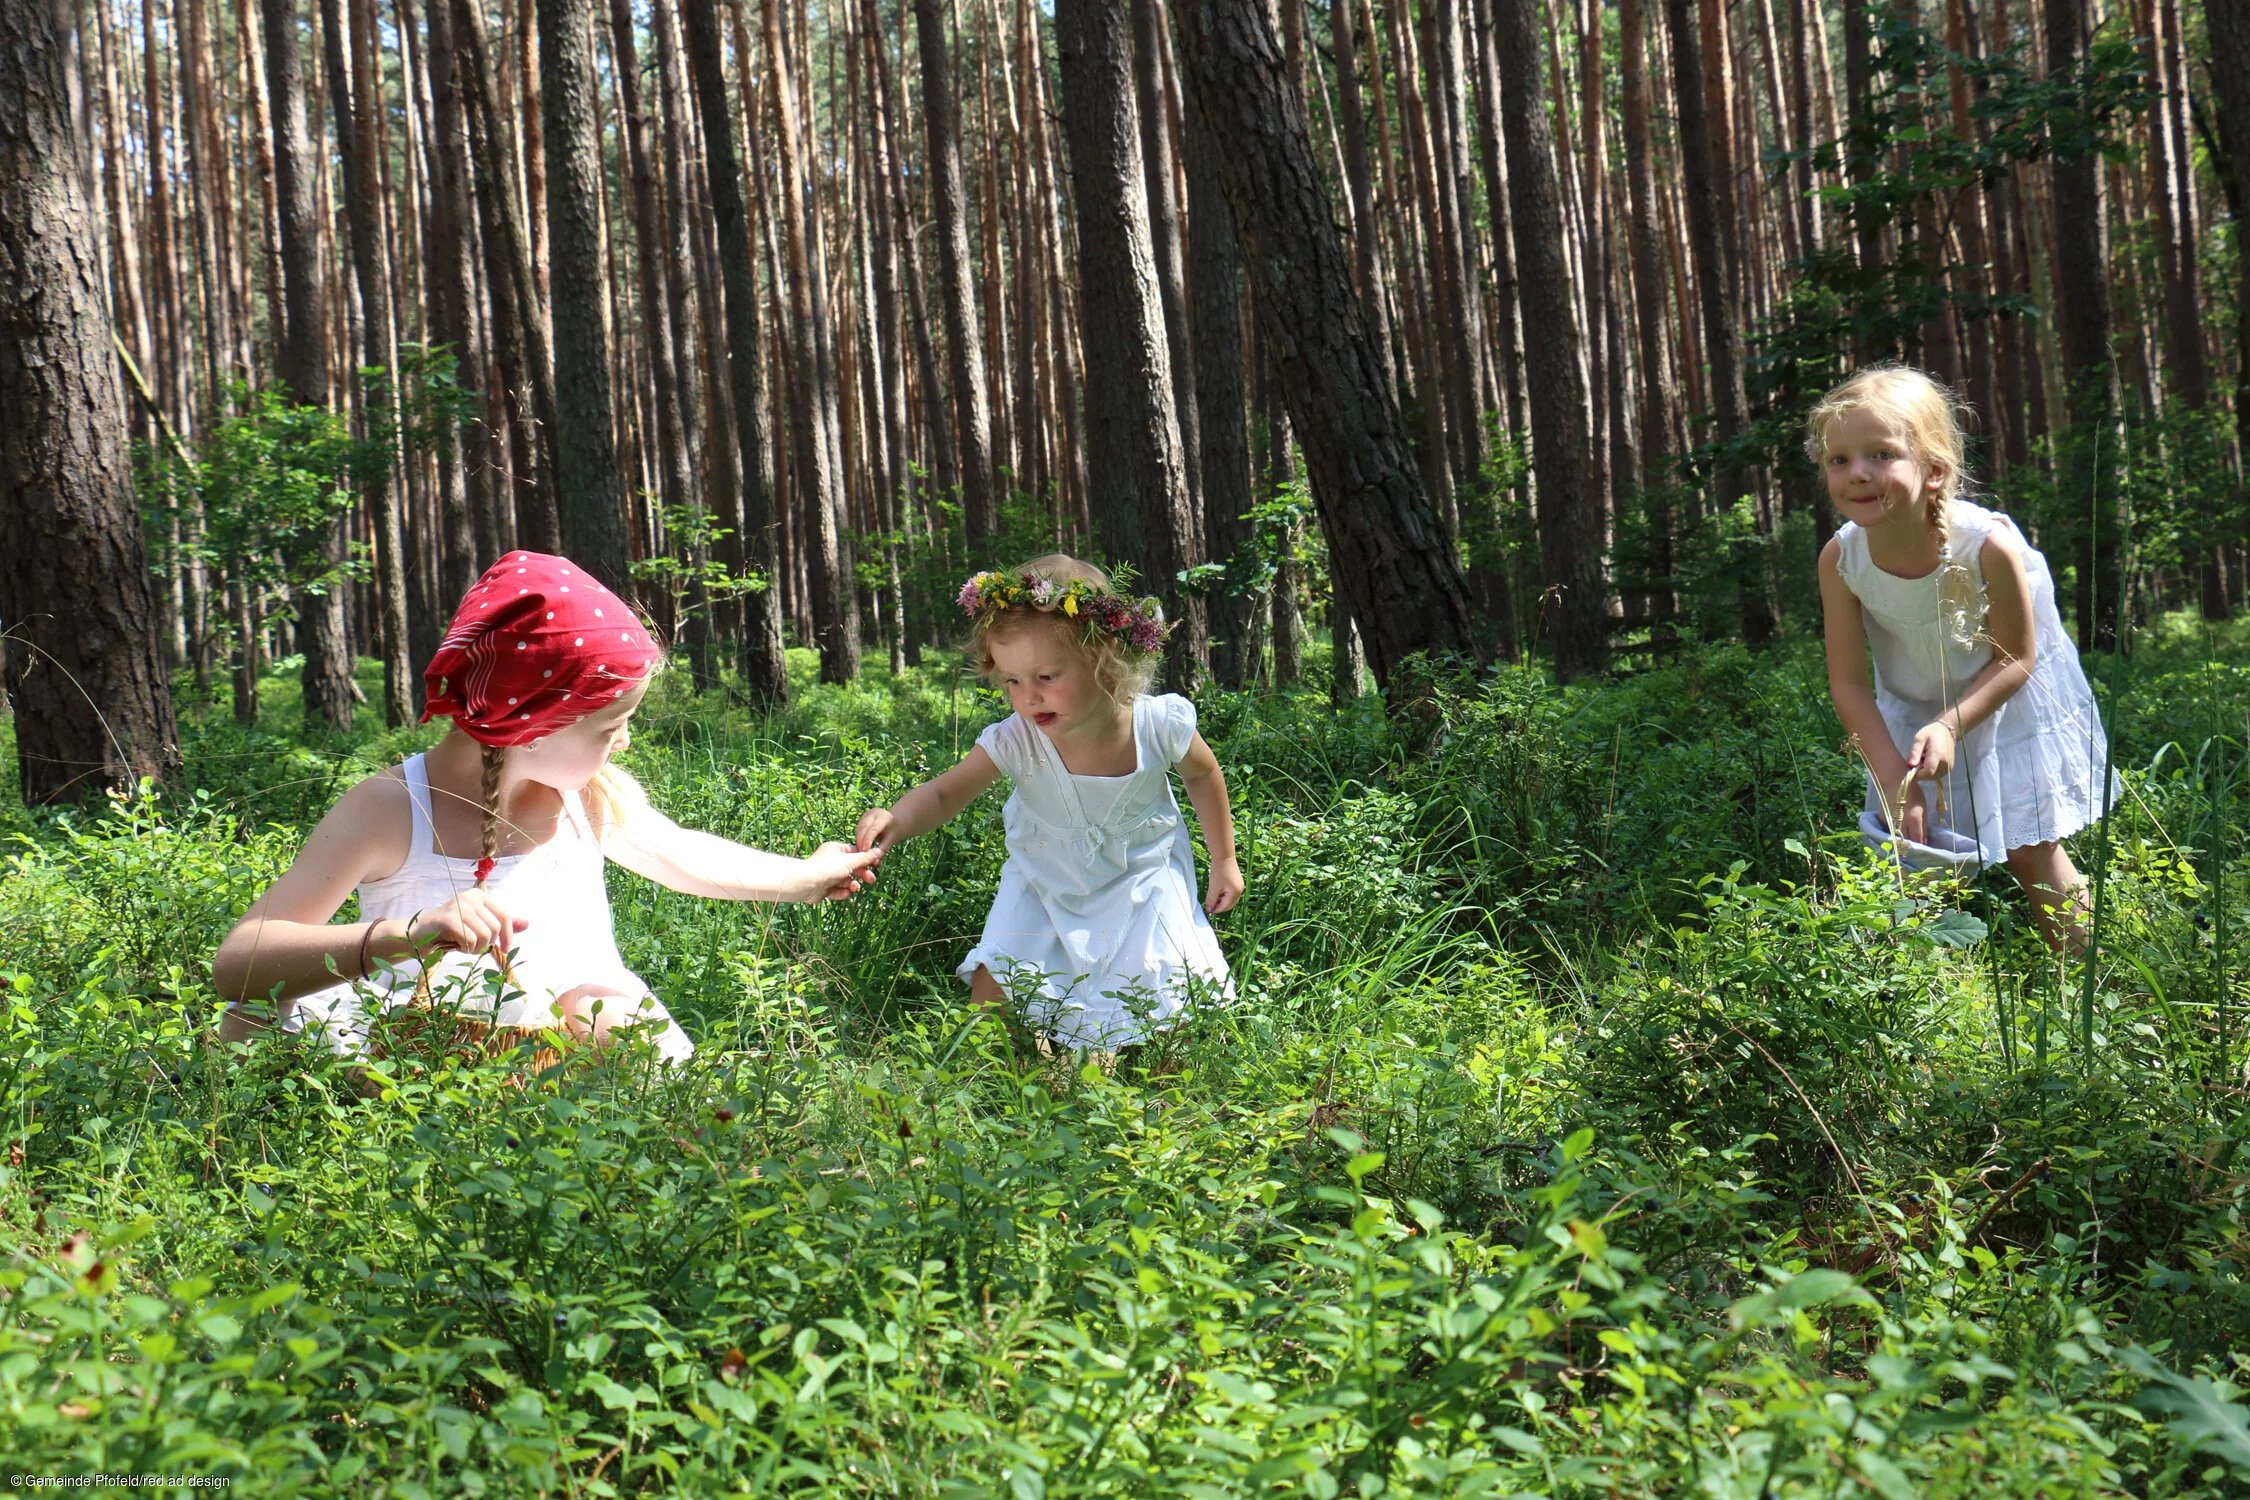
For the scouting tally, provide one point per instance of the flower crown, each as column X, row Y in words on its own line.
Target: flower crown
column 1137, row 624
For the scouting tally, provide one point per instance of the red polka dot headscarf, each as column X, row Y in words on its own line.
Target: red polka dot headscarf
column 538, row 644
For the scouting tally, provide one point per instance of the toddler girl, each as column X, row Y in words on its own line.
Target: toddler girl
column 1096, row 912
column 1982, row 740
column 496, row 839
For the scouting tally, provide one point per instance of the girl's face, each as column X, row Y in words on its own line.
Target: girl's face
column 1049, row 681
column 1872, row 468
column 572, row 756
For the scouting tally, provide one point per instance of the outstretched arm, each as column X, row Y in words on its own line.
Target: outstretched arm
column 1207, row 793
column 648, row 843
column 931, row 805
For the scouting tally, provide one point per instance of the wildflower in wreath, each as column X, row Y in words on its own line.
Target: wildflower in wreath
column 1136, row 624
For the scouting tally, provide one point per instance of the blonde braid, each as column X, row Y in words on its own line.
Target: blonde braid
column 1960, row 605
column 488, row 836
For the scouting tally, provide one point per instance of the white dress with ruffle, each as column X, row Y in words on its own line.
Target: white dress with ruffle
column 2029, row 773
column 1097, row 921
column 569, row 939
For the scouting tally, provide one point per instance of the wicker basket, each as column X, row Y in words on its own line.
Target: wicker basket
column 422, row 1028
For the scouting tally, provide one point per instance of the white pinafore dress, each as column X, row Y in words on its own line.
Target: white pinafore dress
column 2029, row 773
column 1097, row 915
column 570, row 940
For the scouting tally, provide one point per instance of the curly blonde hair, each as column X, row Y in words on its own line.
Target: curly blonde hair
column 1120, row 673
column 1930, row 417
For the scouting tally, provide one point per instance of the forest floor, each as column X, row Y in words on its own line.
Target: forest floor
column 1596, row 1116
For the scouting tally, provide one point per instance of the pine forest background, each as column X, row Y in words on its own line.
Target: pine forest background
column 786, row 317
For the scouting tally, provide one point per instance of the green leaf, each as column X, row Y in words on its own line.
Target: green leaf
column 2202, row 1414
column 1955, row 929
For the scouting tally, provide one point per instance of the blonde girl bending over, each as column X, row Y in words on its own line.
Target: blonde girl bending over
column 1982, row 739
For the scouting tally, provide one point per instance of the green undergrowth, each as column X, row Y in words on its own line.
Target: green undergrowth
column 1595, row 1117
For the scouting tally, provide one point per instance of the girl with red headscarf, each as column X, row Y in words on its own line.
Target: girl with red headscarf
column 488, row 850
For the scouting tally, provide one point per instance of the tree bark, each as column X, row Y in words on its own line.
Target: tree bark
column 1150, row 39
column 813, row 414
column 1659, row 396
column 2081, row 306
column 675, row 476
column 1708, row 218
column 1570, row 502
column 1139, row 496
column 972, row 414
column 352, row 95
column 2230, row 82
column 538, row 519
column 302, row 352
column 1358, row 179
column 1489, row 573
column 588, row 498
column 764, row 666
column 1391, row 560
column 85, row 666
column 1214, row 276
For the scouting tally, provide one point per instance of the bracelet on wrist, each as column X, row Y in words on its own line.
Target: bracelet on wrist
column 366, row 936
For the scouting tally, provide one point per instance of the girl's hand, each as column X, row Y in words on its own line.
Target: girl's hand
column 876, row 828
column 471, row 922
column 1932, row 753
column 1910, row 820
column 1225, row 888
column 836, row 871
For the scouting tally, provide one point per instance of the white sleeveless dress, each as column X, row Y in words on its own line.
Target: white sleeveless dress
column 2029, row 773
column 1098, row 913
column 570, row 940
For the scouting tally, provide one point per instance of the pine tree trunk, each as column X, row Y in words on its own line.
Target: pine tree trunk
column 1358, row 179
column 1214, row 276
column 2081, row 308
column 651, row 240
column 1391, row 561
column 1708, row 220
column 1139, row 496
column 2187, row 366
column 814, row 414
column 1151, row 37
column 1570, row 501
column 1489, row 573
column 302, row 352
column 764, row 666
column 2230, row 82
column 1462, row 318
column 888, row 351
column 86, row 672
column 451, row 266
column 1659, row 397
column 588, row 498
column 538, row 518
column 972, row 415
column 352, row 95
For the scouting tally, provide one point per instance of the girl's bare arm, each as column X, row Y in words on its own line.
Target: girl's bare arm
column 285, row 945
column 1844, row 633
column 1207, row 792
column 933, row 804
column 648, row 843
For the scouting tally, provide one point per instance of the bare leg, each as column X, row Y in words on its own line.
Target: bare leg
column 593, row 1012
column 985, row 991
column 2057, row 892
